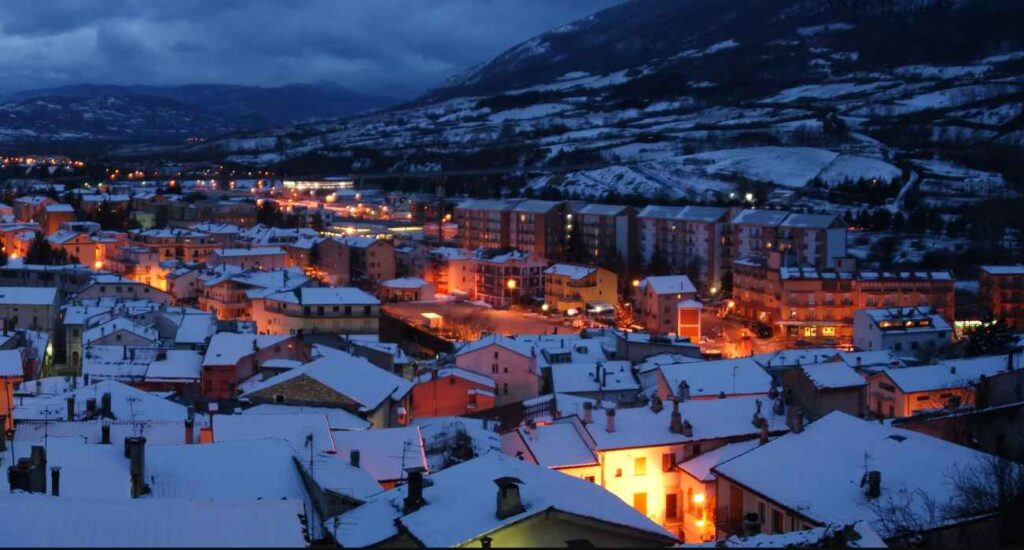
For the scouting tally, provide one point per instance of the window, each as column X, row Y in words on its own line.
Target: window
column 671, row 506
column 505, row 370
column 278, row 398
column 451, row 381
column 494, row 368
column 696, row 449
column 777, row 521
column 505, row 389
column 589, row 478
column 689, row 501
column 640, row 502
column 618, row 472
column 762, row 514
column 640, row 466
column 668, row 460
column 495, row 355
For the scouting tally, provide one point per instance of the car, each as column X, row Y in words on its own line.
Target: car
column 762, row 331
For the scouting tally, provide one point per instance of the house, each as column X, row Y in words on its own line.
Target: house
column 496, row 501
column 225, row 290
column 451, row 391
column 386, row 355
column 28, row 308
column 53, row 215
column 78, row 245
column 915, row 331
column 384, row 453
column 120, row 331
column 108, row 285
column 698, row 485
column 503, row 277
column 340, row 380
column 337, row 419
column 232, row 358
column 638, row 346
column 689, row 379
column 451, row 271
column 406, row 289
column 176, row 244
column 904, row 392
column 370, row 260
column 511, row 363
column 269, row 257
column 822, row 388
column 656, row 302
column 634, row 452
column 339, row 310
column 860, row 469
column 569, row 288
column 11, row 375
column 147, row 368
column 610, row 381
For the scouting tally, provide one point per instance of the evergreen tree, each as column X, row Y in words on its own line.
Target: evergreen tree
column 993, row 337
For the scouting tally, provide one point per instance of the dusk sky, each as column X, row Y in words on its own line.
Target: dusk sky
column 390, row 46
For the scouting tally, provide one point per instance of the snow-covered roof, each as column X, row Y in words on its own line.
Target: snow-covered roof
column 812, row 221
column 855, row 535
column 586, row 378
column 794, row 357
column 404, row 282
column 326, row 296
column 243, row 252
column 296, row 429
column 828, row 488
column 1003, row 269
column 457, row 372
column 574, row 272
column 28, row 296
column 506, row 342
column 460, row 505
column 227, row 348
column 117, row 325
column 905, row 319
column 384, row 453
column 760, row 217
column 833, row 375
column 10, row 363
column 669, row 284
column 535, row 206
column 127, row 403
column 131, row 364
column 712, row 378
column 953, row 373
column 710, row 419
column 563, row 444
column 870, row 359
column 352, row 376
column 337, row 419
column 29, row 520
column 700, row 466
column 595, row 209
column 655, row 362
column 484, row 204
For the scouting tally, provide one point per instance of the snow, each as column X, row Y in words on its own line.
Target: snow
column 825, row 91
column 953, row 373
column 574, row 272
column 445, row 372
column 669, row 284
column 612, row 376
column 785, row 166
column 384, row 453
column 699, row 467
column 352, row 376
column 127, row 403
column 29, row 521
column 941, row 72
column 337, row 419
column 828, row 27
column 712, row 378
column 296, row 429
column 826, row 376
column 533, row 111
column 994, row 116
column 827, row 488
column 460, row 505
column 10, row 364
column 853, row 168
column 404, row 282
column 27, row 296
column 559, row 445
column 228, row 348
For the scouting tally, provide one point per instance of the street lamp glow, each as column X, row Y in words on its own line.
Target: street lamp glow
column 511, row 284
column 545, row 308
column 749, row 197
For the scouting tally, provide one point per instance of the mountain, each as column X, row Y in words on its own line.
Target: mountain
column 89, row 111
column 704, row 99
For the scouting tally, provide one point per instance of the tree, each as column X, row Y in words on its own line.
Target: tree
column 992, row 337
column 40, row 252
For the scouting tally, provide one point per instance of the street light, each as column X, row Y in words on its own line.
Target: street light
column 511, row 284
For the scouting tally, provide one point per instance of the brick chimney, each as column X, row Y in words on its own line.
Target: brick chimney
column 190, row 426
column 656, row 404
column 687, row 428
column 872, row 483
column 55, row 481
column 795, row 419
column 764, row 434
column 758, row 419
column 414, row 496
column 588, row 412
column 684, row 391
column 609, row 415
column 105, row 434
column 90, row 407
column 509, row 502
column 675, row 421
column 106, row 408
column 136, row 448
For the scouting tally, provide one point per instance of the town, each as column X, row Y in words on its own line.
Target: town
column 642, row 376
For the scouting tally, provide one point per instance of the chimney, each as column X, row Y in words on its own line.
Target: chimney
column 656, row 404
column 873, row 482
column 773, row 392
column 37, row 476
column 71, row 408
column 85, row 379
column 609, row 420
column 414, row 497
column 3, row 432
column 687, row 428
column 859, row 361
column 588, row 412
column 105, row 434
column 758, row 419
column 136, row 447
column 55, row 481
column 764, row 434
column 509, row 501
column 795, row 419
column 90, row 407
column 105, row 407
column 675, row 421
column 353, row 458
column 189, row 431
column 684, row 391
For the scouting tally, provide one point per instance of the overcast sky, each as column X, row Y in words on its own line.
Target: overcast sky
column 368, row 45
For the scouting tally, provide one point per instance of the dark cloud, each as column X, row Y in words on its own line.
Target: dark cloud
column 371, row 45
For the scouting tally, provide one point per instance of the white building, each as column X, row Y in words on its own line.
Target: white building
column 904, row 330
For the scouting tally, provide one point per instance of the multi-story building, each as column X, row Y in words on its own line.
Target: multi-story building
column 505, row 276
column 176, row 244
column 1001, row 292
column 813, row 303
column 687, row 239
column 370, row 260
column 340, row 310
column 572, row 287
column 608, row 233
column 483, row 224
column 905, row 330
column 451, row 271
column 656, row 302
column 804, row 239
column 538, row 228
column 28, row 308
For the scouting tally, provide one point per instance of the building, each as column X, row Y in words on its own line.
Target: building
column 483, row 224
column 685, row 378
column 822, row 388
column 339, row 310
column 176, row 244
column 271, row 257
column 1001, row 292
column 504, row 277
column 903, row 392
column 225, row 290
column 53, row 215
column 608, row 233
column 28, row 308
column 694, row 240
column 451, row 391
column 859, row 468
column 108, row 285
column 406, row 289
column 370, row 260
column 656, row 302
column 815, row 240
column 538, row 228
column 511, row 363
column 232, row 358
column 912, row 330
column 452, row 271
column 819, row 304
column 573, row 288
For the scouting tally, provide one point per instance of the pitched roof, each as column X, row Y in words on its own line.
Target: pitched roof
column 227, row 348
column 834, row 375
column 127, row 403
column 459, row 505
column 669, row 284
column 337, row 419
column 712, row 378
column 384, row 453
column 954, row 373
column 563, row 444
